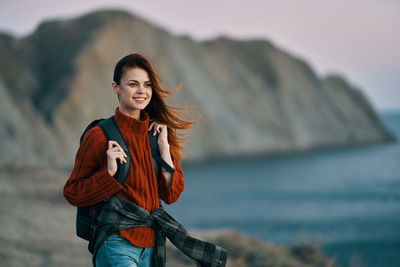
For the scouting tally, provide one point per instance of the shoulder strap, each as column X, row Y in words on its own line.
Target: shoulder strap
column 155, row 152
column 91, row 125
column 112, row 132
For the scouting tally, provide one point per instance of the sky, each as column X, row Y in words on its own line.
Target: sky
column 358, row 39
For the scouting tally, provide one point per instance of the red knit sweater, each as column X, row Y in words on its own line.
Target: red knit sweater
column 90, row 181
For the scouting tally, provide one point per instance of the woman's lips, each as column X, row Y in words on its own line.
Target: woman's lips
column 139, row 99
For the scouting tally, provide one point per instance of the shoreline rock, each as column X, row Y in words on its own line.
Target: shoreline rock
column 245, row 250
column 38, row 229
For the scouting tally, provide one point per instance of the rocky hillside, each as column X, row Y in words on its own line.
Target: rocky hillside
column 38, row 229
column 253, row 96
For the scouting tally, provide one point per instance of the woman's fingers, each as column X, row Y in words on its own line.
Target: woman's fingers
column 156, row 127
column 118, row 155
column 151, row 125
column 115, row 152
column 114, row 146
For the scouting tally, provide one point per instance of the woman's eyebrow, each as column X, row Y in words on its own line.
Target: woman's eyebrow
column 137, row 81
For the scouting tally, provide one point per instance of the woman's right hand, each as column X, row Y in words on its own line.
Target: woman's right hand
column 114, row 152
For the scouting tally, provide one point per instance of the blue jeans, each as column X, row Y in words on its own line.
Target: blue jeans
column 119, row 252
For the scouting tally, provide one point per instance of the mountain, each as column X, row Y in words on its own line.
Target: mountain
column 253, row 96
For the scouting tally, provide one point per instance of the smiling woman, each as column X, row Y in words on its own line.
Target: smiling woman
column 94, row 178
column 141, row 91
column 134, row 91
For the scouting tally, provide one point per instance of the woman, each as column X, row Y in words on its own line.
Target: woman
column 141, row 109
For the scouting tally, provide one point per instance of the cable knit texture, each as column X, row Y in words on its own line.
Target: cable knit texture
column 90, row 182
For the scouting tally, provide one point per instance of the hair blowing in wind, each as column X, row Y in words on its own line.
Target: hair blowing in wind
column 157, row 109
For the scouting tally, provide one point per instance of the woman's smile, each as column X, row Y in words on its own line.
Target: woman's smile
column 140, row 99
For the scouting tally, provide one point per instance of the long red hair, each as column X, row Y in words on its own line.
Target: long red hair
column 157, row 109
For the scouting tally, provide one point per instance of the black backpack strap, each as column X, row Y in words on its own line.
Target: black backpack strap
column 155, row 152
column 112, row 132
column 91, row 125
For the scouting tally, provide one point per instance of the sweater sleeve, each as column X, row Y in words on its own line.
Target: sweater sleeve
column 90, row 182
column 171, row 194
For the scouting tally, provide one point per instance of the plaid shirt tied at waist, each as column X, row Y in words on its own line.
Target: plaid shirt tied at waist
column 118, row 214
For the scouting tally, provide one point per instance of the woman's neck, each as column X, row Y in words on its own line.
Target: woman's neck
column 133, row 113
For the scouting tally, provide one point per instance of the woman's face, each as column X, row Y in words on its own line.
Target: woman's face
column 134, row 90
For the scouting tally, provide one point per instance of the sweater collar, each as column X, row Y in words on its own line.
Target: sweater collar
column 126, row 122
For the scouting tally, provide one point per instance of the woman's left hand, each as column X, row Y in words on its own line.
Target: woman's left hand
column 163, row 133
column 164, row 147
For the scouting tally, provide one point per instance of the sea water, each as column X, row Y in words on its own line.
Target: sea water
column 346, row 200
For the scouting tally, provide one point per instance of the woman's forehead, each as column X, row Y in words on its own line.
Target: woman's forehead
column 136, row 74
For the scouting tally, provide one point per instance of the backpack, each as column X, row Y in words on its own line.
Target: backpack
column 86, row 215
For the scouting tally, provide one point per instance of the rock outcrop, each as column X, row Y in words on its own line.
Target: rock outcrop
column 253, row 96
column 38, row 229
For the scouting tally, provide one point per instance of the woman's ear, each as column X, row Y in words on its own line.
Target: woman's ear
column 115, row 88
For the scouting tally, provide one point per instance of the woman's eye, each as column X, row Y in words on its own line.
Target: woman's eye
column 132, row 84
column 148, row 85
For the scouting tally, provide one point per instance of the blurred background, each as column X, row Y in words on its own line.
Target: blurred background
column 295, row 161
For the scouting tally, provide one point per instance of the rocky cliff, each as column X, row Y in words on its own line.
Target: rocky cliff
column 253, row 96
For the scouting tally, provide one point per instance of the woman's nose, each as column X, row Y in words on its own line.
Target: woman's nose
column 141, row 88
